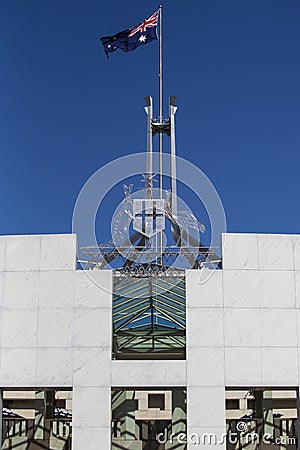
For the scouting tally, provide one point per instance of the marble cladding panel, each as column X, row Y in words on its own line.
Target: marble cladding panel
column 296, row 246
column 277, row 289
column 242, row 327
column 1, row 289
column 280, row 366
column 261, row 251
column 57, row 289
column 275, row 252
column 54, row 367
column 92, row 327
column 279, row 327
column 205, row 406
column 205, row 366
column 298, row 326
column 20, row 290
column 93, row 289
column 240, row 251
column 38, row 252
column 19, row 328
column 297, row 288
column 243, row 366
column 18, row 367
column 55, row 327
column 2, row 252
column 92, row 366
column 22, row 253
column 241, row 288
column 148, row 373
column 89, row 438
column 206, row 438
column 204, row 288
column 205, row 327
column 58, row 252
column 91, row 406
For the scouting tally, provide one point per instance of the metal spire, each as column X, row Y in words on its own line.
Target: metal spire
column 160, row 102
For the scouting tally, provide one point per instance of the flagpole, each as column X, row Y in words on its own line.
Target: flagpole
column 159, row 236
column 160, row 103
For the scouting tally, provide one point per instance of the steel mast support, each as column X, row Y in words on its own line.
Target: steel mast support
column 160, row 102
column 173, row 181
column 149, row 162
column 162, row 127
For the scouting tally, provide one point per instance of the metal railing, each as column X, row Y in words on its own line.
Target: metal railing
column 25, row 428
column 283, row 432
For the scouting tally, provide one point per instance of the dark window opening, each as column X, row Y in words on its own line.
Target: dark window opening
column 232, row 404
column 31, row 419
column 139, row 415
column 262, row 412
column 156, row 401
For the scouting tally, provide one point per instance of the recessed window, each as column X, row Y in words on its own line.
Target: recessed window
column 232, row 404
column 140, row 415
column 156, row 401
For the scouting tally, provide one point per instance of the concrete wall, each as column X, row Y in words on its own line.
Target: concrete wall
column 242, row 329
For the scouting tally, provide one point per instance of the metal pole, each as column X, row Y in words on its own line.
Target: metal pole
column 149, row 163
column 173, row 174
column 159, row 236
column 160, row 102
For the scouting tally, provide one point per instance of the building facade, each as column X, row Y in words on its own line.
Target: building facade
column 232, row 358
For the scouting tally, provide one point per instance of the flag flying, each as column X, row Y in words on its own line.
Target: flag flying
column 128, row 40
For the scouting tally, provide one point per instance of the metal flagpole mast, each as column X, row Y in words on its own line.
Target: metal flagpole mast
column 159, row 237
column 160, row 103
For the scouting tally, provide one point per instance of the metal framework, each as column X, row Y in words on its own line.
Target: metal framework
column 138, row 254
column 173, row 259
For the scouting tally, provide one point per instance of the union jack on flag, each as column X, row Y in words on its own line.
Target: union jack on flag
column 151, row 22
column 128, row 40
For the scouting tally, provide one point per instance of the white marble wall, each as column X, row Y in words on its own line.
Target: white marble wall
column 38, row 252
column 92, row 336
column 261, row 299
column 56, row 329
column 243, row 327
column 243, row 322
column 261, row 251
column 205, row 359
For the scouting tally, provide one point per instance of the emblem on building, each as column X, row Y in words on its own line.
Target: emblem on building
column 149, row 216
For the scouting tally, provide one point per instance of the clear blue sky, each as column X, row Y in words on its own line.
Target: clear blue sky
column 65, row 110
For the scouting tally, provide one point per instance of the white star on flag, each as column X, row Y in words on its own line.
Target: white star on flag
column 143, row 38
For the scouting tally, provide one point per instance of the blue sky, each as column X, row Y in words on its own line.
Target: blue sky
column 66, row 110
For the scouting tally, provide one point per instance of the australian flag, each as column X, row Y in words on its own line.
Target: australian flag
column 128, row 40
